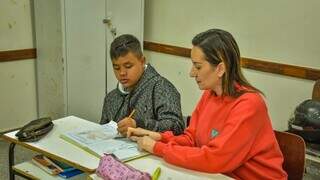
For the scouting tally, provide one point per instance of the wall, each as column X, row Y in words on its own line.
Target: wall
column 278, row 31
column 17, row 78
column 50, row 65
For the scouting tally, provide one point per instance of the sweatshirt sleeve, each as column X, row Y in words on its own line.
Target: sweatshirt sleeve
column 185, row 139
column 227, row 151
column 167, row 108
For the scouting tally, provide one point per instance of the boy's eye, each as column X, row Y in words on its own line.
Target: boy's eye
column 116, row 68
column 128, row 66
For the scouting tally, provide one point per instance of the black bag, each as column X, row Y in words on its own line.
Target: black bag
column 35, row 130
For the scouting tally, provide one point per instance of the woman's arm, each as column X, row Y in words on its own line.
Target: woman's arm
column 227, row 151
column 188, row 137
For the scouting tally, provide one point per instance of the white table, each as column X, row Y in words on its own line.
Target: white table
column 55, row 147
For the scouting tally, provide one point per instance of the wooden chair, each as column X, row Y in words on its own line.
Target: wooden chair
column 293, row 149
column 316, row 91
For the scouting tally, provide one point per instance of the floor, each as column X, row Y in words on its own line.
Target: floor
column 23, row 154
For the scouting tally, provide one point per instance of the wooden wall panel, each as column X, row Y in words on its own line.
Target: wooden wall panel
column 255, row 64
column 20, row 54
column 250, row 63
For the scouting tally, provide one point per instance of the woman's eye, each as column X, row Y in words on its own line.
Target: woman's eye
column 116, row 68
column 198, row 67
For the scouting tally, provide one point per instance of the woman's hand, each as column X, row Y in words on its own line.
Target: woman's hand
column 145, row 142
column 139, row 132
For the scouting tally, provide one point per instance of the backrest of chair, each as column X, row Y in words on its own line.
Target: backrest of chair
column 316, row 91
column 293, row 149
column 188, row 121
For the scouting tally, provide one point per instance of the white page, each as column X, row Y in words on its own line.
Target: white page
column 102, row 140
column 122, row 148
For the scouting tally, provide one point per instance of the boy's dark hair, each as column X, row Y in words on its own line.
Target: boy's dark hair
column 124, row 44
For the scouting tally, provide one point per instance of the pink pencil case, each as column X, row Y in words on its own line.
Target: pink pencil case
column 111, row 168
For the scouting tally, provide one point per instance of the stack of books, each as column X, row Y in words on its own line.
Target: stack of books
column 54, row 167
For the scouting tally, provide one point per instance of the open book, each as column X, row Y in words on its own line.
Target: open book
column 103, row 139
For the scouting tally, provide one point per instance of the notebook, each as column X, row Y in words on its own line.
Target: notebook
column 103, row 139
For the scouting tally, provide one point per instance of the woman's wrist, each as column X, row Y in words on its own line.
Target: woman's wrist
column 155, row 135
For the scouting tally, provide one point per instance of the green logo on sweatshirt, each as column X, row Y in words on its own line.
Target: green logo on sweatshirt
column 214, row 133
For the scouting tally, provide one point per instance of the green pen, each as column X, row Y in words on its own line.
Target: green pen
column 156, row 173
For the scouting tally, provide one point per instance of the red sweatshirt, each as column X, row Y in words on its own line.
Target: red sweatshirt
column 226, row 135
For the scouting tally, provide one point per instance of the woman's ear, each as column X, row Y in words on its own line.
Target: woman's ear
column 221, row 69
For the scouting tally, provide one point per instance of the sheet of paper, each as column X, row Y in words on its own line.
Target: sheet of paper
column 122, row 148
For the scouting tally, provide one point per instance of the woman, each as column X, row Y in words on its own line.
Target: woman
column 143, row 98
column 230, row 131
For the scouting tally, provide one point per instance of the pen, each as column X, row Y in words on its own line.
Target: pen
column 132, row 112
column 156, row 173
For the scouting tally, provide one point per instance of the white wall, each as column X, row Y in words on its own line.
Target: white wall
column 17, row 78
column 50, row 63
column 283, row 31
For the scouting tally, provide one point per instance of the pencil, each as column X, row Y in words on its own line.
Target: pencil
column 130, row 115
column 132, row 112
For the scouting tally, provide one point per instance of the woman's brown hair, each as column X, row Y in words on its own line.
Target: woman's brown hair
column 220, row 46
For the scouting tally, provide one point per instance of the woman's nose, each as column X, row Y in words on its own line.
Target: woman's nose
column 192, row 72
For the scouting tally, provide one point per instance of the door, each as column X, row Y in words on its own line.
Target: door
column 126, row 17
column 89, row 72
column 85, row 57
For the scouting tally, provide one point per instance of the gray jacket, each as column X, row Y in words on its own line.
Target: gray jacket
column 155, row 99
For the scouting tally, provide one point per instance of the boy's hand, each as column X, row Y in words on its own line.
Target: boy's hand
column 124, row 124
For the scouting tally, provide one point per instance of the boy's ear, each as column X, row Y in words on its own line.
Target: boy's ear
column 221, row 69
column 143, row 59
